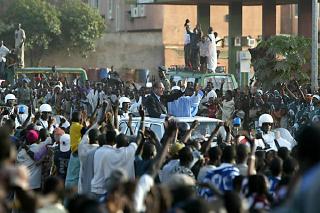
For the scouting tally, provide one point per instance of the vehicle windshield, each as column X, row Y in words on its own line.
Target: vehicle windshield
column 216, row 81
column 178, row 79
column 204, row 128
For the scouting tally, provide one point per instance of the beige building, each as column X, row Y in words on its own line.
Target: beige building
column 146, row 36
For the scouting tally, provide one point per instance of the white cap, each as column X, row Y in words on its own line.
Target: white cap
column 45, row 108
column 57, row 86
column 58, row 120
column 65, row 143
column 212, row 94
column 260, row 91
column 124, row 100
column 316, row 96
column 9, row 97
column 149, row 84
column 265, row 118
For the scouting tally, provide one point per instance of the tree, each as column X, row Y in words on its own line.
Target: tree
column 40, row 21
column 81, row 26
column 70, row 25
column 281, row 59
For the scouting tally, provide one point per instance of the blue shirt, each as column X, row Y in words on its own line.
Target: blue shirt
column 273, row 182
column 184, row 106
column 222, row 177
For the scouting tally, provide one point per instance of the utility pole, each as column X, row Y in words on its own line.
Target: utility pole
column 314, row 58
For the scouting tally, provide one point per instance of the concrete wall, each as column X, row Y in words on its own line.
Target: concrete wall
column 118, row 18
column 252, row 21
column 218, row 19
column 124, row 51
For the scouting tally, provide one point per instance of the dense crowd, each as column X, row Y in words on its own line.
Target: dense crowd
column 62, row 149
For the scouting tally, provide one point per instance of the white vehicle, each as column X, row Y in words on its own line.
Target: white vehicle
column 206, row 125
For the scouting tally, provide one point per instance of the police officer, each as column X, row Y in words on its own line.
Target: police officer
column 270, row 140
column 45, row 120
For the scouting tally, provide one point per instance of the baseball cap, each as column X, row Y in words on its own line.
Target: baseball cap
column 65, row 143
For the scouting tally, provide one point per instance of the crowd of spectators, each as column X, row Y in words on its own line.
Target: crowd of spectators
column 62, row 149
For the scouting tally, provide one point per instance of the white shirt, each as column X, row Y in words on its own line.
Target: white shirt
column 211, row 94
column 34, row 171
column 45, row 124
column 204, row 48
column 269, row 139
column 83, row 150
column 212, row 53
column 22, row 119
column 53, row 208
column 186, row 38
column 106, row 160
column 93, row 97
column 203, row 172
column 3, row 53
column 19, row 37
column 135, row 105
column 227, row 109
column 167, row 170
column 143, row 187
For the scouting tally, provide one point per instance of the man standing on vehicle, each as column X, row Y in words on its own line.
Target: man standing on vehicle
column 212, row 56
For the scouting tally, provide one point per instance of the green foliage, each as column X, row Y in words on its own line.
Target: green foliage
column 71, row 25
column 81, row 26
column 281, row 59
column 40, row 21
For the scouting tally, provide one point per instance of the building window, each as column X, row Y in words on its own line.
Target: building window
column 110, row 9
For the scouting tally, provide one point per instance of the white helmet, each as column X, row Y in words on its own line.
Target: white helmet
column 45, row 108
column 9, row 97
column 265, row 118
column 123, row 100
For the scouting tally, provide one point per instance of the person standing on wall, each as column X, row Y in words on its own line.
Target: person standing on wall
column 187, row 47
column 20, row 38
column 212, row 51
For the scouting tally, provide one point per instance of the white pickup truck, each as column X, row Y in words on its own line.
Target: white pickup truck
column 206, row 125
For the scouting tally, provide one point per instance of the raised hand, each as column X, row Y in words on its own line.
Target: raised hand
column 141, row 111
column 172, row 127
column 194, row 124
